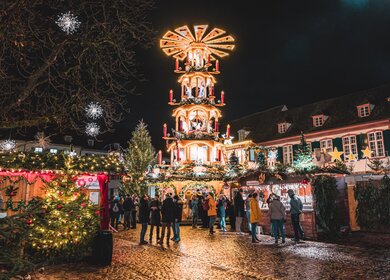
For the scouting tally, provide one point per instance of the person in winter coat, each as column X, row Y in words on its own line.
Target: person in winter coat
column 239, row 210
column 296, row 208
column 167, row 213
column 255, row 216
column 115, row 210
column 277, row 213
column 155, row 217
column 134, row 211
column 248, row 211
column 127, row 206
column 222, row 205
column 194, row 209
column 230, row 212
column 143, row 217
column 178, row 212
column 212, row 211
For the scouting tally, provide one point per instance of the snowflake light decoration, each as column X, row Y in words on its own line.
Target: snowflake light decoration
column 94, row 110
column 92, row 129
column 8, row 145
column 42, row 140
column 68, row 23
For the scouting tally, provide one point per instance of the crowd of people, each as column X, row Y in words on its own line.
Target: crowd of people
column 167, row 215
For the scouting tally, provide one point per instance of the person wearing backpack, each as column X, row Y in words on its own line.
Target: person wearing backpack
column 115, row 210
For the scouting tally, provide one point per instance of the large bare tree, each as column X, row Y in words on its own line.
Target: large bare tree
column 47, row 76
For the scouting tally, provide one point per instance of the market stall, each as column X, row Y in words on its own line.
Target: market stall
column 301, row 187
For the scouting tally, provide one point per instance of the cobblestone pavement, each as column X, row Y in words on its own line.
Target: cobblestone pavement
column 228, row 256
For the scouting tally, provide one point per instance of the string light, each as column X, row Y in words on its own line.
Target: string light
column 92, row 129
column 94, row 110
column 68, row 23
column 8, row 145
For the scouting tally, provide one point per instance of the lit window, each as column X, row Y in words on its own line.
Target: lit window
column 327, row 145
column 287, row 154
column 38, row 150
column 282, row 127
column 349, row 145
column 318, row 120
column 364, row 110
column 53, row 151
column 375, row 142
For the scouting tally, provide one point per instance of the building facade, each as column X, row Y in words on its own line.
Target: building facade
column 353, row 128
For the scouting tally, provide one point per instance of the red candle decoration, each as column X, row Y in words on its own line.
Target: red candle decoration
column 177, row 154
column 228, row 131
column 216, row 126
column 165, row 130
column 217, row 65
column 211, row 91
column 177, row 64
column 219, row 155
column 159, row 157
column 208, row 59
column 171, row 96
column 222, row 97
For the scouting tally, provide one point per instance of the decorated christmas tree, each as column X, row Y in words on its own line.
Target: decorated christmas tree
column 261, row 160
column 138, row 156
column 303, row 160
column 68, row 221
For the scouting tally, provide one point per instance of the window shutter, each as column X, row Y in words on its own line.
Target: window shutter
column 386, row 140
column 315, row 145
column 338, row 143
column 279, row 156
column 361, row 141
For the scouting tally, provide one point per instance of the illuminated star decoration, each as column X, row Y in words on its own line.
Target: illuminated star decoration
column 94, row 110
column 42, row 140
column 366, row 153
column 351, row 157
column 8, row 145
column 336, row 155
column 68, row 23
column 92, row 129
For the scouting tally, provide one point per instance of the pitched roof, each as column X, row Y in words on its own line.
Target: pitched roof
column 341, row 111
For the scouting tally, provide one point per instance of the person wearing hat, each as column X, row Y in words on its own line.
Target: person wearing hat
column 239, row 210
column 296, row 208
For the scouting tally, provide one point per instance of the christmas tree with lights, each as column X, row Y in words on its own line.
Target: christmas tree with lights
column 303, row 159
column 138, row 156
column 68, row 221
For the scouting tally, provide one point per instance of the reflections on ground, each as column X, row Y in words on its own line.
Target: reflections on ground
column 228, row 256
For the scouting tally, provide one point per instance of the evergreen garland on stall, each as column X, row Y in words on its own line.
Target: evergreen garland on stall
column 373, row 209
column 325, row 194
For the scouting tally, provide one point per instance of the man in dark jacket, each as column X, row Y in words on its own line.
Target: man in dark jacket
column 167, row 218
column 143, row 217
column 178, row 209
column 239, row 210
column 155, row 217
column 296, row 208
column 115, row 210
column 127, row 205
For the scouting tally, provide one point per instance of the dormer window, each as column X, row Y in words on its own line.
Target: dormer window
column 282, row 127
column 319, row 120
column 364, row 110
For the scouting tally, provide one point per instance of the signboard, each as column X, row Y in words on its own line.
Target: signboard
column 252, row 183
column 89, row 182
column 94, row 197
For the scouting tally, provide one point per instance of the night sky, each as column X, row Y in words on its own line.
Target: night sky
column 289, row 52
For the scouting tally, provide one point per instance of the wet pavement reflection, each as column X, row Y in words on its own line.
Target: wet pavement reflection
column 229, row 256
